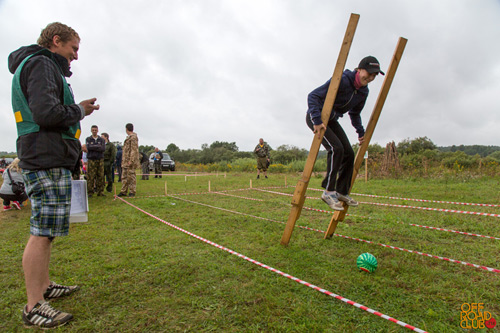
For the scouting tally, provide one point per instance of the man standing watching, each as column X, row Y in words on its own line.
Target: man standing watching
column 145, row 165
column 109, row 159
column 262, row 152
column 95, row 172
column 118, row 162
column 48, row 128
column 130, row 162
column 158, row 156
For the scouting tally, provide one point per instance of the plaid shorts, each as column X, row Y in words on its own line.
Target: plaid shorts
column 50, row 195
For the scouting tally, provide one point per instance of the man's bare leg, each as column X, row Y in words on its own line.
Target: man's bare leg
column 36, row 260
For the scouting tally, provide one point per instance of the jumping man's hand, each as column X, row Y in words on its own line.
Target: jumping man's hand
column 318, row 129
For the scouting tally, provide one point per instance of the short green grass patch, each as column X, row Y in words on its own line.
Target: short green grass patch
column 139, row 274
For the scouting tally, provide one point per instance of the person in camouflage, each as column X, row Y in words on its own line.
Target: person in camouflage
column 109, row 159
column 157, row 157
column 144, row 165
column 130, row 162
column 263, row 157
column 95, row 155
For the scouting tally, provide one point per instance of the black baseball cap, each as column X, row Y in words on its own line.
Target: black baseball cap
column 370, row 64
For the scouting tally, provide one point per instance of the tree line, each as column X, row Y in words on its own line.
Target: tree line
column 222, row 151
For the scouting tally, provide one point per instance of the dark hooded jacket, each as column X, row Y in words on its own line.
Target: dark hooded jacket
column 42, row 85
column 349, row 99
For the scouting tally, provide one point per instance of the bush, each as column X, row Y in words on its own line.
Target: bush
column 459, row 159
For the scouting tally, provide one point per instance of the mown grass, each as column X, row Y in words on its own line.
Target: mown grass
column 138, row 274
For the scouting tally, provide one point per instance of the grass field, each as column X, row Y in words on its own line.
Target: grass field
column 141, row 275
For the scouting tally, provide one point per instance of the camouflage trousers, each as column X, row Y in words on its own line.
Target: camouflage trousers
column 95, row 176
column 157, row 167
column 108, row 173
column 145, row 170
column 262, row 163
column 128, row 181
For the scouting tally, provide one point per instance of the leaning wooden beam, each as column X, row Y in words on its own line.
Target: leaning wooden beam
column 300, row 190
column 379, row 104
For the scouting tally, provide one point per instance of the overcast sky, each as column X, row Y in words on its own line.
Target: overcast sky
column 191, row 72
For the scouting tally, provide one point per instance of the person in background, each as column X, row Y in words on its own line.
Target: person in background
column 48, row 146
column 130, row 162
column 145, row 166
column 109, row 160
column 95, row 172
column 85, row 161
column 6, row 192
column 157, row 157
column 351, row 97
column 118, row 162
column 263, row 157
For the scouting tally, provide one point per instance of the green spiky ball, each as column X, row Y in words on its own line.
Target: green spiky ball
column 367, row 262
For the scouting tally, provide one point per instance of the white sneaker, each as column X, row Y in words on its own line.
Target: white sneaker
column 332, row 201
column 347, row 199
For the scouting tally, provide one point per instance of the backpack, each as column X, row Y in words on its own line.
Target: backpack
column 17, row 187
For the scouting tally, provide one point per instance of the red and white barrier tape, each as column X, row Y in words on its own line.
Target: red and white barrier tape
column 293, row 278
column 357, row 239
column 431, row 209
column 366, row 217
column 401, row 206
column 449, row 230
column 420, row 200
column 240, row 197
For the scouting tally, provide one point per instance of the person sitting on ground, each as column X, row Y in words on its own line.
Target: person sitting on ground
column 351, row 97
column 6, row 192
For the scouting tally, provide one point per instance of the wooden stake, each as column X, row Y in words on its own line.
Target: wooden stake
column 165, row 188
column 300, row 190
column 389, row 77
column 366, row 170
column 285, row 181
column 209, row 186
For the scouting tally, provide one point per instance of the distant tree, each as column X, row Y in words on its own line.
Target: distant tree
column 285, row 154
column 415, row 146
column 172, row 148
column 373, row 149
column 146, row 149
column 226, row 145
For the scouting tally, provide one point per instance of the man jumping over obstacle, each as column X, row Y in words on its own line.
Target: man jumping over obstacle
column 351, row 97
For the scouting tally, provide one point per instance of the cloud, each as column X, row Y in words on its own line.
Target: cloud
column 193, row 72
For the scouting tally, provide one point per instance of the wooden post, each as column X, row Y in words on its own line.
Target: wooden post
column 165, row 188
column 285, row 181
column 389, row 77
column 209, row 186
column 366, row 167
column 300, row 190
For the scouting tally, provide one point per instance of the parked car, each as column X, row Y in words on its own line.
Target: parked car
column 167, row 163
